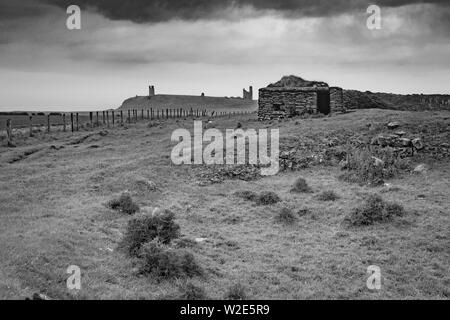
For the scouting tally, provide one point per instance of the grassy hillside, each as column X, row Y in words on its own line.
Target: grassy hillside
column 369, row 100
column 54, row 213
column 163, row 101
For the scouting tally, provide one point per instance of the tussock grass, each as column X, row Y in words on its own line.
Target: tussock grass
column 147, row 228
column 123, row 204
column 301, row 186
column 190, row 291
column 374, row 210
column 327, row 195
column 264, row 198
column 267, row 198
column 165, row 262
column 286, row 216
column 236, row 292
column 304, row 212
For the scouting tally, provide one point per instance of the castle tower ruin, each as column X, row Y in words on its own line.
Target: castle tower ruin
column 151, row 91
column 248, row 95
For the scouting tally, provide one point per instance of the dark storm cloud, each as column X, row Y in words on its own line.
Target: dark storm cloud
column 163, row 10
column 10, row 10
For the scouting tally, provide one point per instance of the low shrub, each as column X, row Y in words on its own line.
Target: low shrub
column 301, row 186
column 372, row 165
column 247, row 195
column 236, row 292
column 267, row 198
column 124, row 204
column 286, row 216
column 165, row 262
column 373, row 210
column 264, row 198
column 304, row 212
column 328, row 195
column 190, row 291
column 147, row 228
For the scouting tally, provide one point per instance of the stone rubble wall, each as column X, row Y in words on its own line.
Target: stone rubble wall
column 336, row 99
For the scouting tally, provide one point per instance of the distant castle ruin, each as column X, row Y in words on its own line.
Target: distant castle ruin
column 151, row 91
column 248, row 95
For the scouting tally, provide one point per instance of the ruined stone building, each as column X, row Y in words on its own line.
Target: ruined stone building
column 248, row 95
column 292, row 96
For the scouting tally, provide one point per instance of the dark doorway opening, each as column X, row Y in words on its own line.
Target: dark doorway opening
column 323, row 101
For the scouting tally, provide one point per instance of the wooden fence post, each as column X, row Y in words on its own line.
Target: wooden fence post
column 64, row 122
column 107, row 118
column 48, row 123
column 97, row 118
column 121, row 117
column 9, row 132
column 129, row 120
column 78, row 124
column 90, row 119
column 148, row 114
column 71, row 120
column 31, row 125
column 103, row 117
column 142, row 114
column 113, row 118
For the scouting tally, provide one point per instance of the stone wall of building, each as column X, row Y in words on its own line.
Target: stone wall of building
column 284, row 102
column 336, row 99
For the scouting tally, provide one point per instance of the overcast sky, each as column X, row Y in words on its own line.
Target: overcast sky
column 214, row 46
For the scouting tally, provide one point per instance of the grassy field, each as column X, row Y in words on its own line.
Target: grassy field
column 54, row 190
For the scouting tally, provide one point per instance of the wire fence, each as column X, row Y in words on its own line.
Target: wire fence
column 72, row 122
